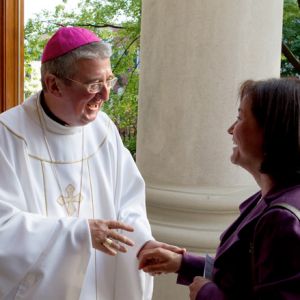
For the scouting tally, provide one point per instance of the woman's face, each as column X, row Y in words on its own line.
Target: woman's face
column 247, row 138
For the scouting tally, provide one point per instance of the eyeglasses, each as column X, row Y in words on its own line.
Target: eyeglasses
column 96, row 87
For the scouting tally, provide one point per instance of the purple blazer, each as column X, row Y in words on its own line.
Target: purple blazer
column 258, row 256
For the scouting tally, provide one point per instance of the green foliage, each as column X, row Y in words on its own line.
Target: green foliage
column 126, row 14
column 116, row 21
column 291, row 37
column 130, row 144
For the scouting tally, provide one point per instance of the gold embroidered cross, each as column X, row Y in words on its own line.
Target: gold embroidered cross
column 70, row 200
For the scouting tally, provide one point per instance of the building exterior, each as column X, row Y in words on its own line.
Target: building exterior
column 194, row 55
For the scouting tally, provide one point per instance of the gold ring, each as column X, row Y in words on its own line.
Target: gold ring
column 108, row 242
column 108, row 245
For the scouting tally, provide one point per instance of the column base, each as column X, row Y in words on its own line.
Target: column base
column 191, row 217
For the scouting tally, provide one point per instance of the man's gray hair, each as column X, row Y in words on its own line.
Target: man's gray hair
column 65, row 66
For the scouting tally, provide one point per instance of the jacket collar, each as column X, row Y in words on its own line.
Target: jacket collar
column 250, row 210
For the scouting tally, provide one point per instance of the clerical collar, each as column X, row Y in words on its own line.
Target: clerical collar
column 48, row 112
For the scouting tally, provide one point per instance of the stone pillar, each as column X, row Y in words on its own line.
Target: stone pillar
column 194, row 55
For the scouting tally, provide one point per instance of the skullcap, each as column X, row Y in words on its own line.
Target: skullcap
column 67, row 39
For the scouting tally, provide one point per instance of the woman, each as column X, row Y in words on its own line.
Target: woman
column 259, row 254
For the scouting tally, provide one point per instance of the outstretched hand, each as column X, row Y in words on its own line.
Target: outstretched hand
column 159, row 260
column 157, row 257
column 107, row 240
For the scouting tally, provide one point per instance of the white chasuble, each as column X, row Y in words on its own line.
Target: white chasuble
column 53, row 179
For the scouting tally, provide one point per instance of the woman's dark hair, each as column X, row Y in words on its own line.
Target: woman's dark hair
column 275, row 104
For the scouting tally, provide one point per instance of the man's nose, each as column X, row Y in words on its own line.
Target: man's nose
column 104, row 93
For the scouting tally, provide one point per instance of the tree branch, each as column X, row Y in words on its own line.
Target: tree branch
column 93, row 25
column 125, row 51
column 290, row 56
column 129, row 79
column 102, row 26
column 299, row 3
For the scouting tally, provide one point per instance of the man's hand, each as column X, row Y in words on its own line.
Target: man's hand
column 155, row 244
column 105, row 239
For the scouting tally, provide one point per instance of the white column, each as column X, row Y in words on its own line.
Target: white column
column 194, row 55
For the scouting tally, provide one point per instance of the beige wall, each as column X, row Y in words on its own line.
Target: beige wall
column 194, row 55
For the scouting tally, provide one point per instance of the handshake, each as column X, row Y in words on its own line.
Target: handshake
column 159, row 258
column 154, row 257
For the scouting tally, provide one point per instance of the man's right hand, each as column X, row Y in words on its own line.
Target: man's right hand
column 106, row 239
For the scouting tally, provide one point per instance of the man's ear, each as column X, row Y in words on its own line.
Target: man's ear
column 53, row 85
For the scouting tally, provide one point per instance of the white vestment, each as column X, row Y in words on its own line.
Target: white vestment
column 45, row 248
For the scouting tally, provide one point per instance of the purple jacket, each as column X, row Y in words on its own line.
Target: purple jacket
column 258, row 256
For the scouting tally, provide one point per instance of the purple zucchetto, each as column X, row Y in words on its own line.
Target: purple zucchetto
column 67, row 39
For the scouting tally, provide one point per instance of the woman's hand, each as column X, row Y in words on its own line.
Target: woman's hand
column 107, row 240
column 196, row 286
column 159, row 260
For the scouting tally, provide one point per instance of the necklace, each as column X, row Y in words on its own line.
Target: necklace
column 70, row 199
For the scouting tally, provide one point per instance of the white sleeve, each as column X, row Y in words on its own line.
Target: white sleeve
column 130, row 196
column 38, row 255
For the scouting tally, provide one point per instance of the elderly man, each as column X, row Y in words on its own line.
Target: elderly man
column 68, row 186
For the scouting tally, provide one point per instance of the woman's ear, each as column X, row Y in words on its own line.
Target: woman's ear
column 53, row 85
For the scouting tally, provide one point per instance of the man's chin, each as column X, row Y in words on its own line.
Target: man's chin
column 88, row 118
